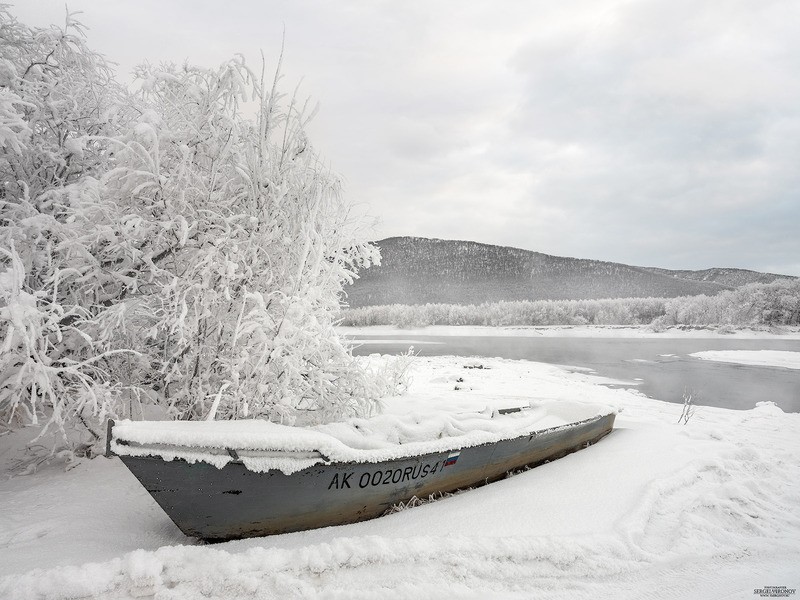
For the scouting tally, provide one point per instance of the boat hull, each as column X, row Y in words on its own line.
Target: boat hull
column 233, row 502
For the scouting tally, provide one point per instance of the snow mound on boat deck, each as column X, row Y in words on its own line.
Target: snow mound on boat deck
column 264, row 446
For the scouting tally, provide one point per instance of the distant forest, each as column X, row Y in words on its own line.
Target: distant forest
column 755, row 305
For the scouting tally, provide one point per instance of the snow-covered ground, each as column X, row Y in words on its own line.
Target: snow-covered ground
column 710, row 509
column 578, row 331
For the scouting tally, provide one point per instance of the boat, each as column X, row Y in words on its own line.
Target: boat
column 226, row 480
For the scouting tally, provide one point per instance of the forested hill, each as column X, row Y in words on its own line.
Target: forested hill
column 726, row 277
column 421, row 270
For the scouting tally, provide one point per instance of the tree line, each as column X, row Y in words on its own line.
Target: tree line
column 753, row 305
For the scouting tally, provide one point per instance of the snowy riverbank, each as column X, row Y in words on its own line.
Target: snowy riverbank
column 710, row 509
column 578, row 331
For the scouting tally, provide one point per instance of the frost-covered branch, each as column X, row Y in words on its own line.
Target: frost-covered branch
column 158, row 245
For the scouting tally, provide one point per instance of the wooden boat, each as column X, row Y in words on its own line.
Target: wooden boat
column 230, row 500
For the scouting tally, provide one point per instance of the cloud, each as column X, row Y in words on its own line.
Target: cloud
column 662, row 123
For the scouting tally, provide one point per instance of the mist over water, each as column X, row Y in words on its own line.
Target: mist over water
column 660, row 368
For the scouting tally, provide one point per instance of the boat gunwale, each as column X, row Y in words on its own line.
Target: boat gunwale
column 236, row 454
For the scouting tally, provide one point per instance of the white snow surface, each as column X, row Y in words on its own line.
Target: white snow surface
column 710, row 509
column 576, row 331
column 762, row 358
column 377, row 439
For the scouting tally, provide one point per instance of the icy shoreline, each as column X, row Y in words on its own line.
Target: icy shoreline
column 583, row 331
column 768, row 358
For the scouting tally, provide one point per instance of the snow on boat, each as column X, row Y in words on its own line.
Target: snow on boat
column 225, row 480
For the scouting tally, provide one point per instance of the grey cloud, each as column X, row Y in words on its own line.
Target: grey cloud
column 656, row 132
column 661, row 129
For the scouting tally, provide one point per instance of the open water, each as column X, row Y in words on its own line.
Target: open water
column 660, row 368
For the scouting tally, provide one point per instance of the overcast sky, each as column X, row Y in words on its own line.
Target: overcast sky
column 649, row 132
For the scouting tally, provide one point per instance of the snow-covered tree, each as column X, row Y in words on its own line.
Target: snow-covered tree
column 55, row 93
column 159, row 247
column 249, row 243
column 752, row 305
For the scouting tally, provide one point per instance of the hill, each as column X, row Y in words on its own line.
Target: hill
column 728, row 277
column 421, row 270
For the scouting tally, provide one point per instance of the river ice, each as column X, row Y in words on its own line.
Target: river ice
column 763, row 358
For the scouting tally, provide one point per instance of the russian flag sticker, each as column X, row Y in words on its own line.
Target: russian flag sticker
column 451, row 459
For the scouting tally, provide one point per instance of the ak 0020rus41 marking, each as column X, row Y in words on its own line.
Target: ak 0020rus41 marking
column 378, row 477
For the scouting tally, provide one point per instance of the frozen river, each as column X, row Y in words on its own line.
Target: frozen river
column 661, row 368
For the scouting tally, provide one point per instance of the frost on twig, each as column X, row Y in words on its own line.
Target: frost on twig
column 688, row 408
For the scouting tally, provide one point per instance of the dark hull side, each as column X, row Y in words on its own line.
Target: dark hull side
column 233, row 502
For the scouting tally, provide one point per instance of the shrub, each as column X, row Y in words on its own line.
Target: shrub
column 159, row 247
